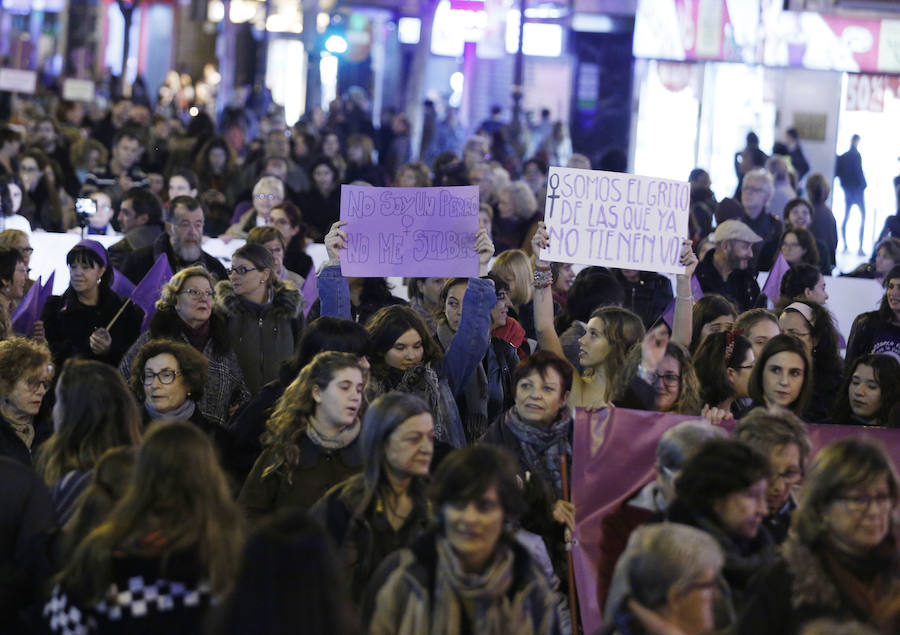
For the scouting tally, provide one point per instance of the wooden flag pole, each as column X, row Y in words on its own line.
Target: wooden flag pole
column 116, row 316
column 573, row 601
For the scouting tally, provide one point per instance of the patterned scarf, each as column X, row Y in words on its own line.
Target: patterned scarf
column 25, row 431
column 421, row 381
column 342, row 439
column 541, row 446
column 479, row 601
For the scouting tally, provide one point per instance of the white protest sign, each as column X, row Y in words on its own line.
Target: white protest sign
column 78, row 89
column 616, row 220
column 16, row 80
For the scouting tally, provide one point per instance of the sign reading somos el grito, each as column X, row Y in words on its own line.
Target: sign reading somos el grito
column 409, row 231
column 616, row 220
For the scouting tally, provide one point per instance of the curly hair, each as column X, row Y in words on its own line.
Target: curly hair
column 168, row 297
column 192, row 363
column 296, row 406
column 22, row 358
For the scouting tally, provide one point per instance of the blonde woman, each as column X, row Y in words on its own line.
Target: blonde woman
column 514, row 268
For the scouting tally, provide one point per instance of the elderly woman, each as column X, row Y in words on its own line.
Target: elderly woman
column 271, row 239
column 516, row 216
column 469, row 575
column 13, row 278
column 312, row 441
column 94, row 411
column 672, row 581
column 26, row 374
column 840, row 560
column 372, row 514
column 268, row 193
column 76, row 323
column 265, row 317
column 186, row 313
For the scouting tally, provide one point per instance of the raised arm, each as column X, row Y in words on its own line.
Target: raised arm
column 334, row 290
column 547, row 338
column 470, row 342
column 684, row 299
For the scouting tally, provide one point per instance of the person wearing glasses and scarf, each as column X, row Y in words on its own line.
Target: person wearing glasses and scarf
column 265, row 316
column 26, row 374
column 186, row 312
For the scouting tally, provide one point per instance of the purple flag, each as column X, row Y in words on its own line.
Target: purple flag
column 772, row 287
column 46, row 292
column 668, row 315
column 148, row 290
column 26, row 312
column 121, row 286
column 309, row 291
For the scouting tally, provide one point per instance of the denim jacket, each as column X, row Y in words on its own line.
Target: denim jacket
column 466, row 350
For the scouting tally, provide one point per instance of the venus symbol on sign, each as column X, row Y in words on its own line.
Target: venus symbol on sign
column 554, row 185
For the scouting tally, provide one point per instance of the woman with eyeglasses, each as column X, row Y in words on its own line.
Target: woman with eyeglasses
column 723, row 363
column 265, row 317
column 13, row 278
column 268, row 193
column 19, row 240
column 186, row 312
column 26, row 374
column 76, row 323
column 271, row 239
column 840, row 561
column 813, row 325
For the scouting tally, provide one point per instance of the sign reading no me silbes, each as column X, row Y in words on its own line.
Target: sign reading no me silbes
column 409, row 231
column 616, row 220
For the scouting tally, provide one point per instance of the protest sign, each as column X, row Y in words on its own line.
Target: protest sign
column 409, row 231
column 616, row 220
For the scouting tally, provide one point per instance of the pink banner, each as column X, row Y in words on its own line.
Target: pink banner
column 614, row 454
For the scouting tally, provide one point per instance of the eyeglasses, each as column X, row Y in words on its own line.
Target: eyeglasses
column 26, row 251
column 790, row 476
column 861, row 504
column 242, row 270
column 196, row 294
column 670, row 380
column 263, row 197
column 166, row 376
column 35, row 385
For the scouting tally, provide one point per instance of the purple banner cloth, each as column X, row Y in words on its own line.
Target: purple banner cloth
column 668, row 315
column 26, row 312
column 309, row 291
column 148, row 290
column 614, row 452
column 772, row 287
column 121, row 286
column 409, row 231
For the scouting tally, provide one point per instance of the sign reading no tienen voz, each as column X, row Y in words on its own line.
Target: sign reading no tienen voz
column 616, row 220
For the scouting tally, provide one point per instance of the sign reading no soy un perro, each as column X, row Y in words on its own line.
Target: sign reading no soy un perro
column 409, row 231
column 616, row 220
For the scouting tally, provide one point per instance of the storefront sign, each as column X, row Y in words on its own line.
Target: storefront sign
column 616, row 220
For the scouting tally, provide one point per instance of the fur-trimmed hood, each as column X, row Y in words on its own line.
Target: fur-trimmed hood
column 812, row 584
column 287, row 302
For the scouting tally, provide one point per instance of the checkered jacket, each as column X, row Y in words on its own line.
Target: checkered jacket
column 134, row 605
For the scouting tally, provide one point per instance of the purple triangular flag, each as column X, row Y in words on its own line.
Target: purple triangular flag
column 121, row 286
column 148, row 290
column 25, row 313
column 668, row 315
column 309, row 291
column 46, row 292
column 772, row 287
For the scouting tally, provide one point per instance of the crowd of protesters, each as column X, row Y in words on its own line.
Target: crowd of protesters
column 398, row 462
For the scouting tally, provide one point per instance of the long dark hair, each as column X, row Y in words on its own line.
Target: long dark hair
column 887, row 373
column 713, row 358
column 389, row 323
column 708, row 308
column 782, row 343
